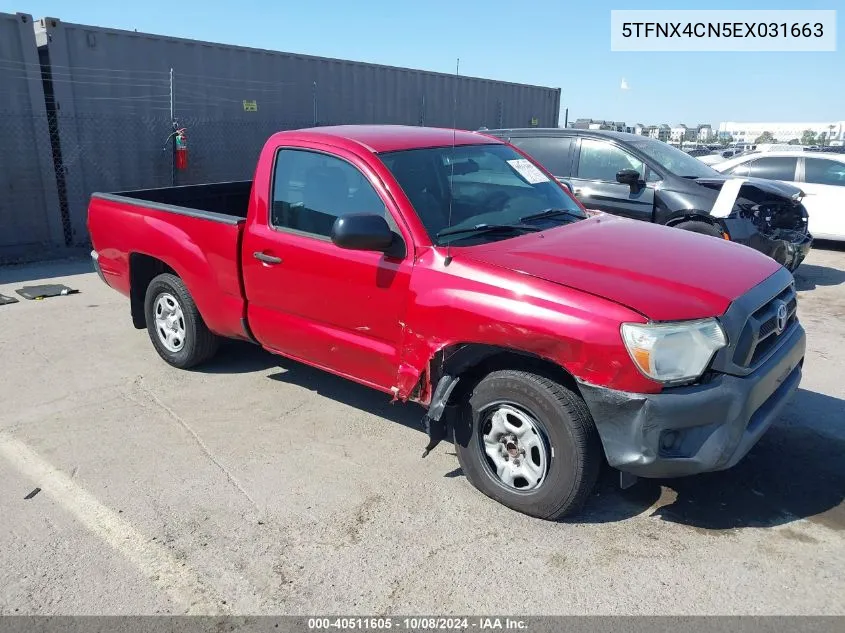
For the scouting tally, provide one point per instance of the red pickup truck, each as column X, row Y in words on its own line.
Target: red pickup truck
column 447, row 268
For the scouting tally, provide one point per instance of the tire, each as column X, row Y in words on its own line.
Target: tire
column 561, row 423
column 190, row 342
column 699, row 227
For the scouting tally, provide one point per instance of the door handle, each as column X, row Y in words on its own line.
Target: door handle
column 267, row 259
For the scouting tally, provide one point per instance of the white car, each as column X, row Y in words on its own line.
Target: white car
column 820, row 175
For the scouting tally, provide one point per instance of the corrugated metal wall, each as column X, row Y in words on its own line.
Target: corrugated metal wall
column 29, row 211
column 112, row 93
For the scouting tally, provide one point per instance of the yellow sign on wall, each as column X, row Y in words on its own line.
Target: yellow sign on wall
column 250, row 106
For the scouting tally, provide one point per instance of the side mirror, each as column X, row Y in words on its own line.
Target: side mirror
column 630, row 177
column 362, row 232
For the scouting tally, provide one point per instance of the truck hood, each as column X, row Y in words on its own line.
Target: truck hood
column 664, row 274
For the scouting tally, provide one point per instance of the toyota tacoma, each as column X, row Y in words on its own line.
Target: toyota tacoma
column 447, row 268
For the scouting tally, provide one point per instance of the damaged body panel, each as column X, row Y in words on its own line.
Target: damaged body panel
column 712, row 424
column 701, row 428
column 766, row 215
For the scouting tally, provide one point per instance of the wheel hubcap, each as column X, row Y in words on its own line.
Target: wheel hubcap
column 516, row 450
column 170, row 322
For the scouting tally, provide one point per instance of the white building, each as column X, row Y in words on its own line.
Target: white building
column 678, row 133
column 683, row 133
column 834, row 131
column 660, row 132
column 704, row 133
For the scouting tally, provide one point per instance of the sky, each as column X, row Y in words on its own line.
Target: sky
column 562, row 44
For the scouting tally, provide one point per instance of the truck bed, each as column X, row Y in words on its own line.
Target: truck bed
column 220, row 201
column 195, row 230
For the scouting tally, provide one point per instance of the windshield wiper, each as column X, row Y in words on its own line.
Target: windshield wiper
column 486, row 228
column 551, row 213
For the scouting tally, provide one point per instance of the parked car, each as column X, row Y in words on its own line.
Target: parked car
column 645, row 179
column 447, row 268
column 834, row 149
column 716, row 157
column 777, row 147
column 721, row 154
column 820, row 175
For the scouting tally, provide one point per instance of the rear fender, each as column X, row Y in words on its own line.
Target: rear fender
column 214, row 288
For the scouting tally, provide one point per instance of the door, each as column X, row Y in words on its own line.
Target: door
column 823, row 182
column 309, row 299
column 595, row 185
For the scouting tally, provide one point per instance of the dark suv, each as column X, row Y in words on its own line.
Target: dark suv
column 646, row 179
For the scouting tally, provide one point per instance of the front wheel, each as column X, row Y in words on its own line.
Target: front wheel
column 529, row 443
column 700, row 227
column 175, row 326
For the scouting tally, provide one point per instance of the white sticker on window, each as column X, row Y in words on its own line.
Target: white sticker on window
column 528, row 171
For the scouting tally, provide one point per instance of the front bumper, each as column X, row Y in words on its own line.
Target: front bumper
column 699, row 428
column 787, row 247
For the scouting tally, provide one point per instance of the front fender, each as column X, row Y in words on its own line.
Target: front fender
column 465, row 303
column 672, row 205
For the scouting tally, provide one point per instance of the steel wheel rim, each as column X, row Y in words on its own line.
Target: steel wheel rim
column 169, row 322
column 515, row 449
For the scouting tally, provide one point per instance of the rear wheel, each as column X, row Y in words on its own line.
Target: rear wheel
column 174, row 324
column 529, row 443
column 699, row 227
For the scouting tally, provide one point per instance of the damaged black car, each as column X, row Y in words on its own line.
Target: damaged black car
column 646, row 179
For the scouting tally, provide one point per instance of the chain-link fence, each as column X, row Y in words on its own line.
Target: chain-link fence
column 86, row 109
column 29, row 219
column 51, row 163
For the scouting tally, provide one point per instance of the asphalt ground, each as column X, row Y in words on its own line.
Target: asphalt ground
column 257, row 485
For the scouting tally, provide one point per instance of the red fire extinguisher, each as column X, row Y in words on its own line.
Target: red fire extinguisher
column 181, row 149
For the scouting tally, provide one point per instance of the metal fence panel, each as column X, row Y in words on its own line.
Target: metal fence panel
column 112, row 93
column 30, row 220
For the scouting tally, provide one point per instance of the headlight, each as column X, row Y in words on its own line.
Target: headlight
column 673, row 352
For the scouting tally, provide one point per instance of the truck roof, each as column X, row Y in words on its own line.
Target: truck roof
column 567, row 131
column 389, row 138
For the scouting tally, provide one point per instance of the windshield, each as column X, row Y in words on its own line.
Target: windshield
column 674, row 160
column 488, row 186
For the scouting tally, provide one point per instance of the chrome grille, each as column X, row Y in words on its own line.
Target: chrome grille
column 761, row 335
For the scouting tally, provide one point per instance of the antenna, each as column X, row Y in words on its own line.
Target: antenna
column 448, row 259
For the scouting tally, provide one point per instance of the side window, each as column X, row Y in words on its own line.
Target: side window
column 311, row 190
column 551, row 151
column 773, row 168
column 601, row 161
column 824, row 172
